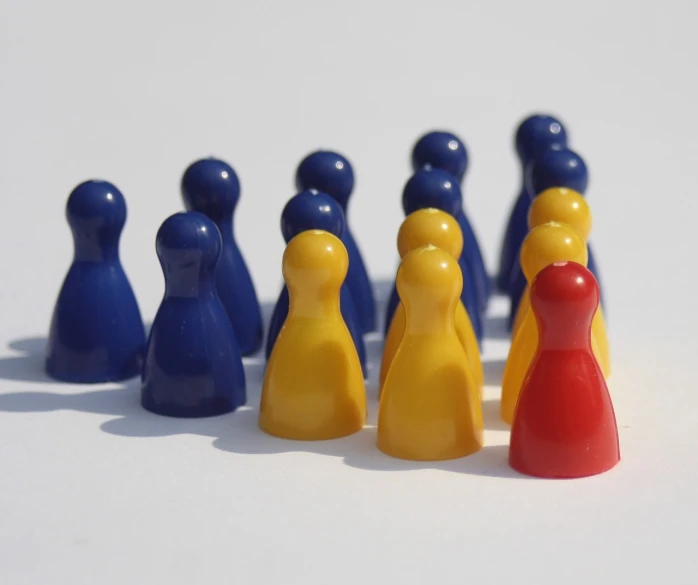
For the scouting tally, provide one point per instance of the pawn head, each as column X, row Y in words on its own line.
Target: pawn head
column 549, row 243
column 211, row 187
column 432, row 188
column 563, row 206
column 441, row 150
column 558, row 167
column 315, row 261
column 430, row 226
column 328, row 172
column 536, row 134
column 428, row 277
column 188, row 241
column 311, row 210
column 563, row 291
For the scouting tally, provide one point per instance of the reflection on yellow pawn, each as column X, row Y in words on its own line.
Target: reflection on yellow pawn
column 438, row 228
column 429, row 409
column 313, row 387
column 544, row 245
column 567, row 206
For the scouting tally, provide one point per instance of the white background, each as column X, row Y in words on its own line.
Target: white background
column 94, row 490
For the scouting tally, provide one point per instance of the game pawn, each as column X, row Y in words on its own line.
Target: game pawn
column 564, row 423
column 96, row 332
column 332, row 173
column 535, row 135
column 193, row 366
column 313, row 210
column 313, row 386
column 445, row 151
column 440, row 229
column 211, row 187
column 429, row 408
column 437, row 189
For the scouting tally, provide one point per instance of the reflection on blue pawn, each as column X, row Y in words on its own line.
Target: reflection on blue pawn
column 193, row 365
column 436, row 188
column 445, row 151
column 534, row 136
column 313, row 210
column 331, row 173
column 96, row 334
column 211, row 187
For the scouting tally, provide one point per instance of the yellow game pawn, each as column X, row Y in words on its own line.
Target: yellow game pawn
column 438, row 228
column 429, row 409
column 544, row 245
column 566, row 206
column 313, row 387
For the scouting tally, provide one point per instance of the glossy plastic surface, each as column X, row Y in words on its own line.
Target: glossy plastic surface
column 441, row 150
column 313, row 386
column 211, row 187
column 535, row 135
column 310, row 210
column 438, row 228
column 96, row 333
column 193, row 366
column 437, row 189
column 332, row 173
column 429, row 408
column 558, row 167
column 564, row 425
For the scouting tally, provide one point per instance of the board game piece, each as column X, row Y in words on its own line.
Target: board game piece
column 445, row 151
column 535, row 135
column 193, row 365
column 564, row 425
column 332, row 173
column 429, row 408
column 313, row 387
column 438, row 189
column 438, row 228
column 310, row 210
column 96, row 332
column 544, row 245
column 211, row 187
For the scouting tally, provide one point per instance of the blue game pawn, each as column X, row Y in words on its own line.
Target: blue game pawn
column 193, row 366
column 438, row 189
column 313, row 210
column 97, row 334
column 211, row 187
column 445, row 151
column 535, row 135
column 331, row 173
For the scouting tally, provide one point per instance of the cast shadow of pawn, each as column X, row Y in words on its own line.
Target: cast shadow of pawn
column 496, row 328
column 490, row 414
column 494, row 371
column 29, row 365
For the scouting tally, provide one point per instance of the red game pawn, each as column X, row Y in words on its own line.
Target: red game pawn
column 564, row 423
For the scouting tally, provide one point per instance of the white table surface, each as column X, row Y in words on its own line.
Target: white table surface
column 94, row 490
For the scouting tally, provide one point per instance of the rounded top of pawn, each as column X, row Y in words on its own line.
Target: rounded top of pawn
column 564, row 206
column 326, row 171
column 432, row 188
column 429, row 276
column 96, row 210
column 549, row 243
column 211, row 187
column 430, row 226
column 188, row 239
column 536, row 134
column 315, row 261
column 441, row 150
column 559, row 167
column 565, row 289
column 311, row 210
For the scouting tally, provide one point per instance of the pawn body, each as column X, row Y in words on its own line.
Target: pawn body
column 193, row 366
column 211, row 187
column 429, row 407
column 96, row 333
column 564, row 425
column 313, row 386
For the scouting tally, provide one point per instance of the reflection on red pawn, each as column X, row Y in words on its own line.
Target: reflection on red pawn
column 564, row 424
